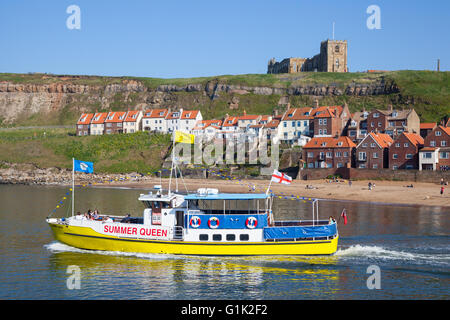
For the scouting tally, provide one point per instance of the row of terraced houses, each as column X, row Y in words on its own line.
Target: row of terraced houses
column 331, row 136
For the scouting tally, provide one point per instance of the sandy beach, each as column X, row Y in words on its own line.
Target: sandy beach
column 395, row 192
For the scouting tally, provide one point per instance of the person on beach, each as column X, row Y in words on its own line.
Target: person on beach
column 442, row 191
column 349, row 183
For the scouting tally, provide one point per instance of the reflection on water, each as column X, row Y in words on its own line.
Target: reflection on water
column 410, row 244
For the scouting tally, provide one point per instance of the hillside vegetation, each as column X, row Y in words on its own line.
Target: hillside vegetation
column 428, row 92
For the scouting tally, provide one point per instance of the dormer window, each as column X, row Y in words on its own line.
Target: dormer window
column 339, row 144
column 161, row 114
column 323, row 144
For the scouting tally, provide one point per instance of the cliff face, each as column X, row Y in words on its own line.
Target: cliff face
column 21, row 101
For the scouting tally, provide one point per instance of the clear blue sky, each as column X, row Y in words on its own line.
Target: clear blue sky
column 205, row 37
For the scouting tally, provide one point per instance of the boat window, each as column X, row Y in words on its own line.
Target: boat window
column 217, row 237
column 243, row 237
column 204, row 237
column 231, row 237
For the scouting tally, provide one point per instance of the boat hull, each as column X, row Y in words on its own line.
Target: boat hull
column 87, row 238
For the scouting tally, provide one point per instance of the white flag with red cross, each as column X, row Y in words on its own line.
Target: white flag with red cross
column 279, row 177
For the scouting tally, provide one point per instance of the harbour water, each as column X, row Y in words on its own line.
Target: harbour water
column 410, row 246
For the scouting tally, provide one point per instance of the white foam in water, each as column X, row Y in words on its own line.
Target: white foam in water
column 61, row 247
column 382, row 253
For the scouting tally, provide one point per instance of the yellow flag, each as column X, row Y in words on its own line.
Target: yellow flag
column 184, row 137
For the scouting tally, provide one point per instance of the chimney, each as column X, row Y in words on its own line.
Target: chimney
column 316, row 103
column 245, row 112
column 390, row 108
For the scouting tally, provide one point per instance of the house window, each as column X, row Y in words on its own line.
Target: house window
column 324, row 131
column 320, row 122
column 285, row 124
column 376, row 115
column 324, row 121
column 329, row 165
column 437, row 133
column 397, row 145
column 321, row 155
column 364, row 145
column 362, row 156
column 395, row 156
column 329, row 154
column 406, row 144
column 375, row 155
column 408, row 156
column 426, row 155
column 394, row 167
column 444, row 155
column 345, row 154
column 362, row 166
column 379, row 124
column 432, row 143
column 409, row 166
column 310, row 155
column 372, row 145
column 375, row 166
column 443, row 143
column 340, row 165
column 299, row 123
column 338, row 154
column 310, row 165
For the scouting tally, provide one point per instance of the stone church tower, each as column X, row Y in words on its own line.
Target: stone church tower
column 332, row 58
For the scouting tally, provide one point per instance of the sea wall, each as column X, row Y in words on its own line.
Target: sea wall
column 375, row 174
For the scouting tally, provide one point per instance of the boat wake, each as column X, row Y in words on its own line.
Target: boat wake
column 376, row 252
column 56, row 247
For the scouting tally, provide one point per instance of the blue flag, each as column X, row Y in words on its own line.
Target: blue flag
column 83, row 166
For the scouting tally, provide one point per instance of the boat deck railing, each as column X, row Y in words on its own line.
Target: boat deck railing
column 293, row 223
column 221, row 211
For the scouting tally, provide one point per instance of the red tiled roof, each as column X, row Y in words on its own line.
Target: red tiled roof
column 428, row 125
column 230, row 122
column 85, row 118
column 115, row 116
column 414, row 138
column 383, row 140
column 330, row 142
column 189, row 114
column 99, row 118
column 448, row 123
column 202, row 124
column 445, row 129
column 249, row 117
column 156, row 113
column 132, row 116
column 427, row 149
column 327, row 111
column 272, row 124
column 297, row 114
column 173, row 115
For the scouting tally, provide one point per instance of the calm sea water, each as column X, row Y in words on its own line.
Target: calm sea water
column 410, row 245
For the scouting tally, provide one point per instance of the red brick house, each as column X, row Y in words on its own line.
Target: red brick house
column 329, row 152
column 84, row 124
column 98, row 123
column 114, row 122
column 373, row 151
column 330, row 121
column 436, row 152
column 426, row 128
column 404, row 151
column 393, row 122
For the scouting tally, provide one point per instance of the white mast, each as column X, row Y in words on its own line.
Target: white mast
column 73, row 184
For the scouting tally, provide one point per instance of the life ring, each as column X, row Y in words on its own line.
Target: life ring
column 195, row 222
column 213, row 222
column 251, row 222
